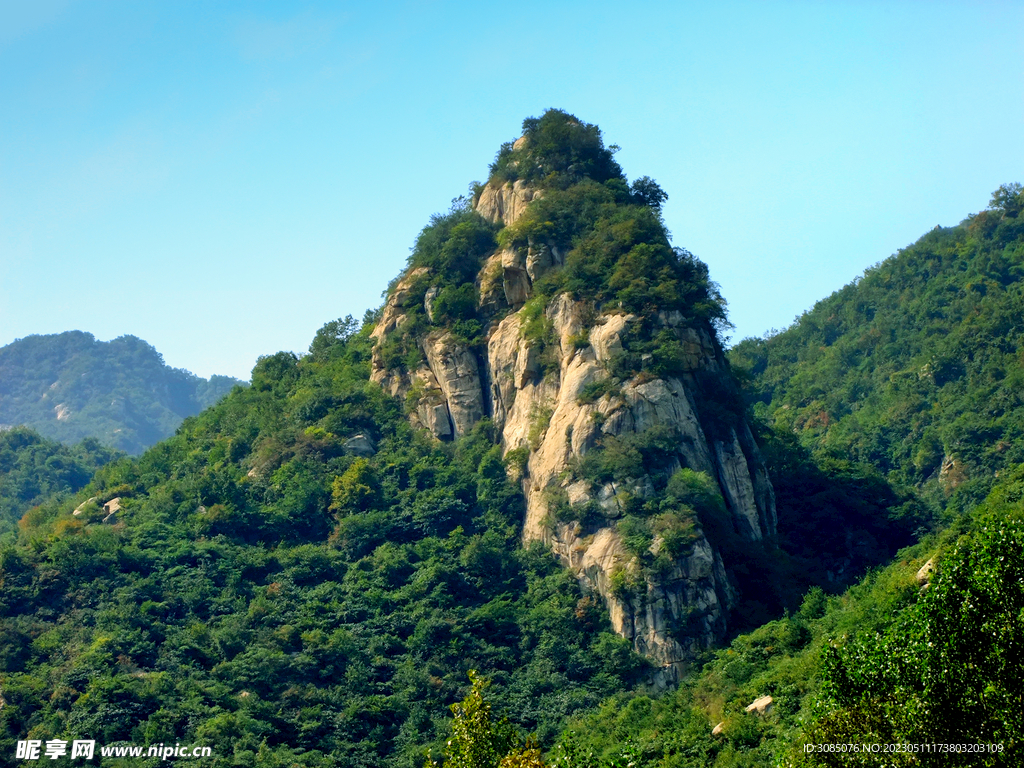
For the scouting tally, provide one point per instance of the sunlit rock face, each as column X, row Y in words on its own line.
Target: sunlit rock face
column 539, row 409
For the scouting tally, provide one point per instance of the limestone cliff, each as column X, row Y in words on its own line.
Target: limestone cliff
column 545, row 396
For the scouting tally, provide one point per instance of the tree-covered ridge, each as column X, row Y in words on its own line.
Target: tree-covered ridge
column 556, row 150
column 70, row 386
column 282, row 594
column 617, row 252
column 915, row 368
column 34, row 469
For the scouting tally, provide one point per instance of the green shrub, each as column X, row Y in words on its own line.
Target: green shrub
column 595, row 390
column 455, row 303
column 516, row 460
column 678, row 530
column 540, row 418
column 559, row 150
column 535, row 326
column 629, row 456
column 453, row 245
column 697, row 491
column 580, row 340
column 636, row 535
column 626, row 582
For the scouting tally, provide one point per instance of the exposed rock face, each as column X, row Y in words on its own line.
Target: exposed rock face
column 533, row 395
column 394, row 314
column 695, row 593
column 515, row 280
column 505, row 203
column 81, row 507
column 111, row 508
column 458, row 375
column 924, row 573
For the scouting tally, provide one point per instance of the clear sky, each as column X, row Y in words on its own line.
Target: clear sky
column 222, row 178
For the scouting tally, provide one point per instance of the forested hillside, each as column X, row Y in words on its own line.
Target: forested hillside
column 70, row 386
column 34, row 469
column 916, row 367
column 926, row 651
column 518, row 518
column 275, row 587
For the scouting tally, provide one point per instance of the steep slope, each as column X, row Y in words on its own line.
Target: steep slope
column 70, row 386
column 916, row 367
column 553, row 305
column 296, row 577
column 921, row 651
column 307, row 571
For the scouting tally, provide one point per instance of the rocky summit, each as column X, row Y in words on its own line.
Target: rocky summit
column 564, row 375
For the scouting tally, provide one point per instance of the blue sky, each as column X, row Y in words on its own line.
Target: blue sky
column 221, row 179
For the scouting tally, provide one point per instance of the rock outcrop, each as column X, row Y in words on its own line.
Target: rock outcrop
column 761, row 705
column 505, row 203
column 539, row 395
column 111, row 508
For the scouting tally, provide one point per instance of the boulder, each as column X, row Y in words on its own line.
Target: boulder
column 360, row 445
column 760, row 706
column 924, row 573
column 81, row 507
column 515, row 279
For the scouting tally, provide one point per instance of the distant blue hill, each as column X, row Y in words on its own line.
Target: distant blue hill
column 69, row 386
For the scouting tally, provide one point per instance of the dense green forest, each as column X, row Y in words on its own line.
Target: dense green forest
column 298, row 577
column 34, row 469
column 914, row 368
column 269, row 592
column 69, row 387
column 898, row 658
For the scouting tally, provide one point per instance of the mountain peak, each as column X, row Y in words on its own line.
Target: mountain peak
column 554, row 305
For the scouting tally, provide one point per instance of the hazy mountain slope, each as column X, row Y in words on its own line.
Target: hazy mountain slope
column 70, row 386
column 917, row 367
